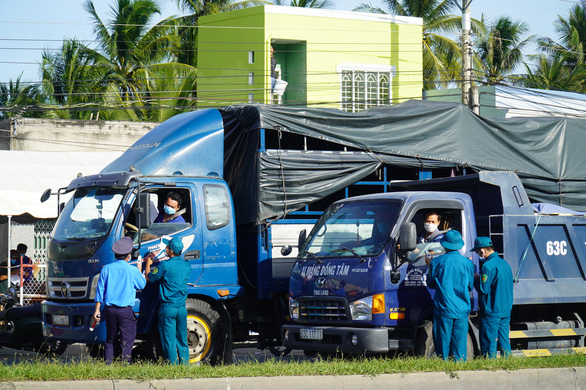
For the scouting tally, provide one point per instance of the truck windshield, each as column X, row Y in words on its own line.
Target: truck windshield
column 89, row 213
column 354, row 228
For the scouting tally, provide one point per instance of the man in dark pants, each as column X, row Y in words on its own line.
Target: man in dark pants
column 495, row 285
column 172, row 275
column 116, row 291
column 452, row 277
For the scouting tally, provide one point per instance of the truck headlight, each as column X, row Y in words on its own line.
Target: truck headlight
column 94, row 286
column 361, row 310
column 293, row 309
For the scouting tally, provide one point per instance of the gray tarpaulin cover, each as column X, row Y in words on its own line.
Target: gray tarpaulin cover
column 546, row 153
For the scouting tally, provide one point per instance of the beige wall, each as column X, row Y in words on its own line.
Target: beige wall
column 52, row 135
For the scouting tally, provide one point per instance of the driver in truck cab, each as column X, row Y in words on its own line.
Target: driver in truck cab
column 431, row 223
column 172, row 212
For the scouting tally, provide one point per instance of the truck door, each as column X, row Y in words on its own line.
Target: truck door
column 413, row 294
column 184, row 224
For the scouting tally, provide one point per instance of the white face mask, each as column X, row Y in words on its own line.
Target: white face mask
column 430, row 227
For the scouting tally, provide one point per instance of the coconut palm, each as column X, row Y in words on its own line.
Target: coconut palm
column 19, row 98
column 441, row 55
column 127, row 46
column 564, row 67
column 572, row 36
column 500, row 48
column 71, row 80
column 553, row 73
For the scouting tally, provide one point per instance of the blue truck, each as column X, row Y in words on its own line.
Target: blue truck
column 359, row 283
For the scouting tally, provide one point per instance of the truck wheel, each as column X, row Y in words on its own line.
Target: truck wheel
column 206, row 333
column 424, row 342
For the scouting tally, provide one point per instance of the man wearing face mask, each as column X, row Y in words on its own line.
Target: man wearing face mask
column 171, row 211
column 495, row 285
column 431, row 224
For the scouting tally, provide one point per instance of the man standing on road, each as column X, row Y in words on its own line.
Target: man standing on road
column 172, row 275
column 116, row 291
column 495, row 286
column 452, row 277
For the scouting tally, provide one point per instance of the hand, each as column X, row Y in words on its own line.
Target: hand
column 96, row 316
column 428, row 259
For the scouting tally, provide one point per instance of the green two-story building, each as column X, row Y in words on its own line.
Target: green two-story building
column 326, row 58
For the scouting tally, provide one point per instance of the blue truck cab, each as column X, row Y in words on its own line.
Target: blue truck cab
column 359, row 283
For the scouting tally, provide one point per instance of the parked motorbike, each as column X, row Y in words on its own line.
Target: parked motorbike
column 21, row 327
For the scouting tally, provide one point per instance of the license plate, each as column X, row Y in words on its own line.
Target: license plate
column 311, row 334
column 61, row 320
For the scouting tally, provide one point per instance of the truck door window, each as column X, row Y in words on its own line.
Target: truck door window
column 217, row 204
column 428, row 244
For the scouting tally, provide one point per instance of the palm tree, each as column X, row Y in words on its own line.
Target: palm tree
column 572, row 34
column 18, row 97
column 500, row 48
column 128, row 46
column 553, row 73
column 564, row 68
column 71, row 79
column 441, row 55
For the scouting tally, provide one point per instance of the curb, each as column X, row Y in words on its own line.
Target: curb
column 530, row 379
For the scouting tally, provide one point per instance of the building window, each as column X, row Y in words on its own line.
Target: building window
column 250, row 78
column 364, row 86
column 251, row 57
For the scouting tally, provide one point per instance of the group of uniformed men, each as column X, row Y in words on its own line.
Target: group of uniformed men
column 453, row 277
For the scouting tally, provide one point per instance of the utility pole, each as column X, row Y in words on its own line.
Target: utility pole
column 468, row 97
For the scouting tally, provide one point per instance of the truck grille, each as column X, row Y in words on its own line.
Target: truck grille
column 325, row 310
column 72, row 288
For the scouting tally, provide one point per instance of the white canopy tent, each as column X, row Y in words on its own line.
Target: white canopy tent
column 25, row 175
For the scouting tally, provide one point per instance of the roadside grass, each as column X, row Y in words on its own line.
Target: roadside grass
column 41, row 369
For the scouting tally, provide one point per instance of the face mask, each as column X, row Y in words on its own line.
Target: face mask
column 430, row 227
column 169, row 210
column 13, row 261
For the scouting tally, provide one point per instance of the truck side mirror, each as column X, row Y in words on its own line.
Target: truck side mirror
column 46, row 195
column 408, row 236
column 301, row 239
column 286, row 250
column 143, row 213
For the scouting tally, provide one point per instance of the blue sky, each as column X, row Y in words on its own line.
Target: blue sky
column 29, row 26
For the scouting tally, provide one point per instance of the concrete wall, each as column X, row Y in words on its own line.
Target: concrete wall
column 53, row 135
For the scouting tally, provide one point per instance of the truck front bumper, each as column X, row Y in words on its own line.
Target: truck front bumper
column 342, row 339
column 70, row 323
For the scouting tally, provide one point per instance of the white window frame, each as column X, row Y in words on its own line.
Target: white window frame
column 367, row 86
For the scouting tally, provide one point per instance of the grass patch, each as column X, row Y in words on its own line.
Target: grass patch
column 39, row 369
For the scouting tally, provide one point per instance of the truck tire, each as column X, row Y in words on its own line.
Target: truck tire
column 207, row 334
column 424, row 342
